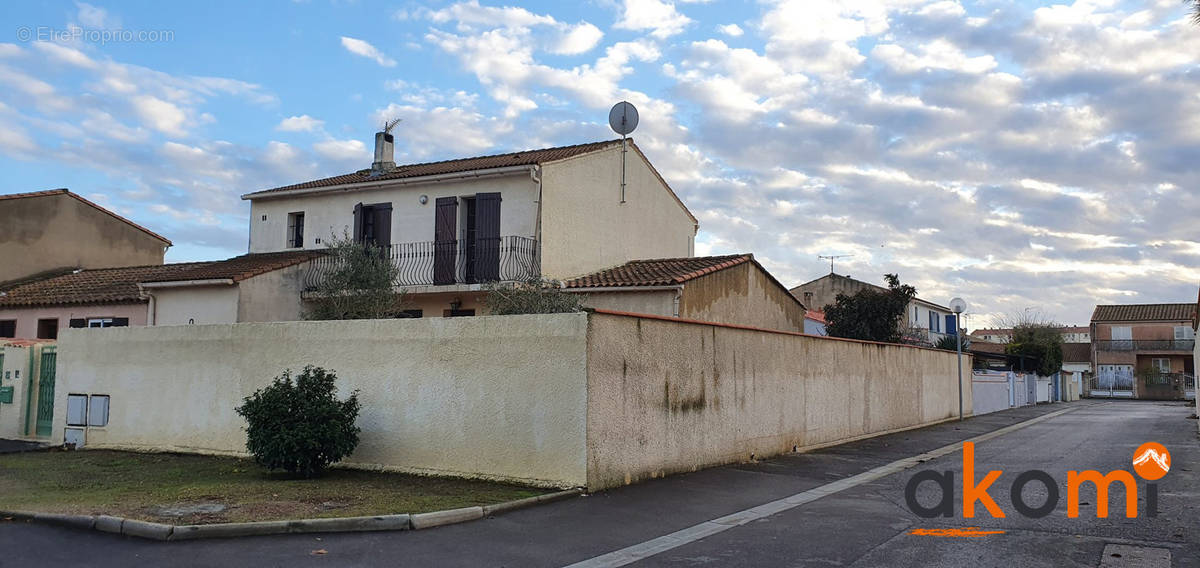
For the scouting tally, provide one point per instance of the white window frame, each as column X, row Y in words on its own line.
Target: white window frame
column 1126, row 331
column 1184, row 332
column 1161, row 364
column 99, row 322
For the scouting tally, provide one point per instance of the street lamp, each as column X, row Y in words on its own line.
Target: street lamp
column 959, row 306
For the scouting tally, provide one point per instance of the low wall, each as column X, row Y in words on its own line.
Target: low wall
column 497, row 397
column 990, row 392
column 667, row 396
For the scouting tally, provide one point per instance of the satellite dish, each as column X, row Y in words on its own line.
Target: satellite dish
column 623, row 118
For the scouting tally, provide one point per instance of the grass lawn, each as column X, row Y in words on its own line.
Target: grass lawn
column 149, row 486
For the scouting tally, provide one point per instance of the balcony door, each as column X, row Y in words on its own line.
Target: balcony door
column 478, row 250
column 373, row 224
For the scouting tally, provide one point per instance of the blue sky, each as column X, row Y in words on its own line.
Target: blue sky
column 1018, row 154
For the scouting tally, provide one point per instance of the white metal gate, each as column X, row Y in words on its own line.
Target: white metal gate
column 1114, row 381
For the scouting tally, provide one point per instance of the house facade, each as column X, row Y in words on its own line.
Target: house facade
column 88, row 298
column 932, row 321
column 1070, row 334
column 43, row 232
column 1143, row 350
column 732, row 289
column 452, row 226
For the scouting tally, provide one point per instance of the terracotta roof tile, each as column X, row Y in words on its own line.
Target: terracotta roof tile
column 1145, row 312
column 523, row 158
column 65, row 191
column 657, row 272
column 96, row 286
column 1076, row 352
column 239, row 267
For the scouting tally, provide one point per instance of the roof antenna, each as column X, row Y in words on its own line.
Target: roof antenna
column 832, row 258
column 623, row 118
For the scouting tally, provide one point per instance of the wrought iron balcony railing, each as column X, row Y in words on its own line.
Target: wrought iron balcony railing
column 433, row 263
column 1145, row 344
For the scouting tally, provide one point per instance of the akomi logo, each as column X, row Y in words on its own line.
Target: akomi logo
column 1151, row 461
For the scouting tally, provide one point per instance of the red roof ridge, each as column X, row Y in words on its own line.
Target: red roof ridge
column 63, row 190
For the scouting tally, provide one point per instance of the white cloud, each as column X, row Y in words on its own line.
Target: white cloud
column 658, row 16
column 302, row 123
column 731, row 30
column 94, row 17
column 360, row 47
column 160, row 115
column 343, row 151
column 578, row 39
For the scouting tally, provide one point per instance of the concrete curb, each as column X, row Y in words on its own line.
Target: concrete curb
column 399, row 522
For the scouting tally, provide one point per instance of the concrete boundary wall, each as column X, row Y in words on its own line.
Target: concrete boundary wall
column 596, row 400
column 668, row 396
column 489, row 397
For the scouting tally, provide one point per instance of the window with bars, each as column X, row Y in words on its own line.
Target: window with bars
column 295, row 231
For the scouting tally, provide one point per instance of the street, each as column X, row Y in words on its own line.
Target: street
column 866, row 524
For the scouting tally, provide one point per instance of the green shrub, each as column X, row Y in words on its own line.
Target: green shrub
column 300, row 426
column 534, row 296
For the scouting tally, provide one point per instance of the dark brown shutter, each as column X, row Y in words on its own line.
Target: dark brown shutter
column 445, row 231
column 487, row 237
column 358, row 223
column 383, row 224
column 80, row 322
column 120, row 322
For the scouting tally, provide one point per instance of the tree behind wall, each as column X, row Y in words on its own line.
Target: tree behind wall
column 356, row 283
column 1034, row 335
column 870, row 313
column 534, row 296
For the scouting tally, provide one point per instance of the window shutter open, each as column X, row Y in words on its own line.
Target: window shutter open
column 445, row 232
column 79, row 322
column 358, row 224
column 487, row 237
column 383, row 224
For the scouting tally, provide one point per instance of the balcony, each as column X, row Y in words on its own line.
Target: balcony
column 1145, row 344
column 438, row 263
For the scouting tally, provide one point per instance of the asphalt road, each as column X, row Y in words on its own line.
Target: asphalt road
column 867, row 525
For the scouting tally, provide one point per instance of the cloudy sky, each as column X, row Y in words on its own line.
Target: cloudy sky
column 1018, row 154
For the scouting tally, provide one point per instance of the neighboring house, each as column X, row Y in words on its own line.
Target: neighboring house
column 814, row 322
column 45, row 231
column 454, row 225
column 732, row 289
column 1070, row 334
column 102, row 297
column 1077, row 364
column 934, row 320
column 248, row 288
column 1143, row 350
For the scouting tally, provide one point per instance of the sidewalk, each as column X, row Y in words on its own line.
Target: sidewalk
column 552, row 535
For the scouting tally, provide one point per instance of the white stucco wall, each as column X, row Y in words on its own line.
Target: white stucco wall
column 658, row 302
column 586, row 228
column 199, row 305
column 327, row 214
column 500, row 397
column 671, row 396
column 272, row 296
column 14, row 373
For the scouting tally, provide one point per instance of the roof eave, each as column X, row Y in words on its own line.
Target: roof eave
column 373, row 184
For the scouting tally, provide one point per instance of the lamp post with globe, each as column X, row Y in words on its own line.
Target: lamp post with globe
column 959, row 306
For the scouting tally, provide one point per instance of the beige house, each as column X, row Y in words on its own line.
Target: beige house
column 46, row 231
column 1143, row 350
column 934, row 320
column 452, row 226
column 733, row 289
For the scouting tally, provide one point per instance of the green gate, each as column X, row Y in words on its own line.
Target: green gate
column 45, row 401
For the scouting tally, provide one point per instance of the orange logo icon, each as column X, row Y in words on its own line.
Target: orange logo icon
column 1151, row 461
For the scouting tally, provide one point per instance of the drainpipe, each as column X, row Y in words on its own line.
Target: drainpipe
column 678, row 297
column 535, row 172
column 151, row 306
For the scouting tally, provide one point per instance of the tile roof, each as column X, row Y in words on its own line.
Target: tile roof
column 523, row 158
column 239, row 267
column 1076, row 352
column 985, row 347
column 1145, row 312
column 815, row 315
column 65, row 191
column 96, row 286
column 657, row 272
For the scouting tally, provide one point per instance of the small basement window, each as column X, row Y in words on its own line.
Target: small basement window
column 98, row 410
column 77, row 409
column 411, row 314
column 458, row 313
